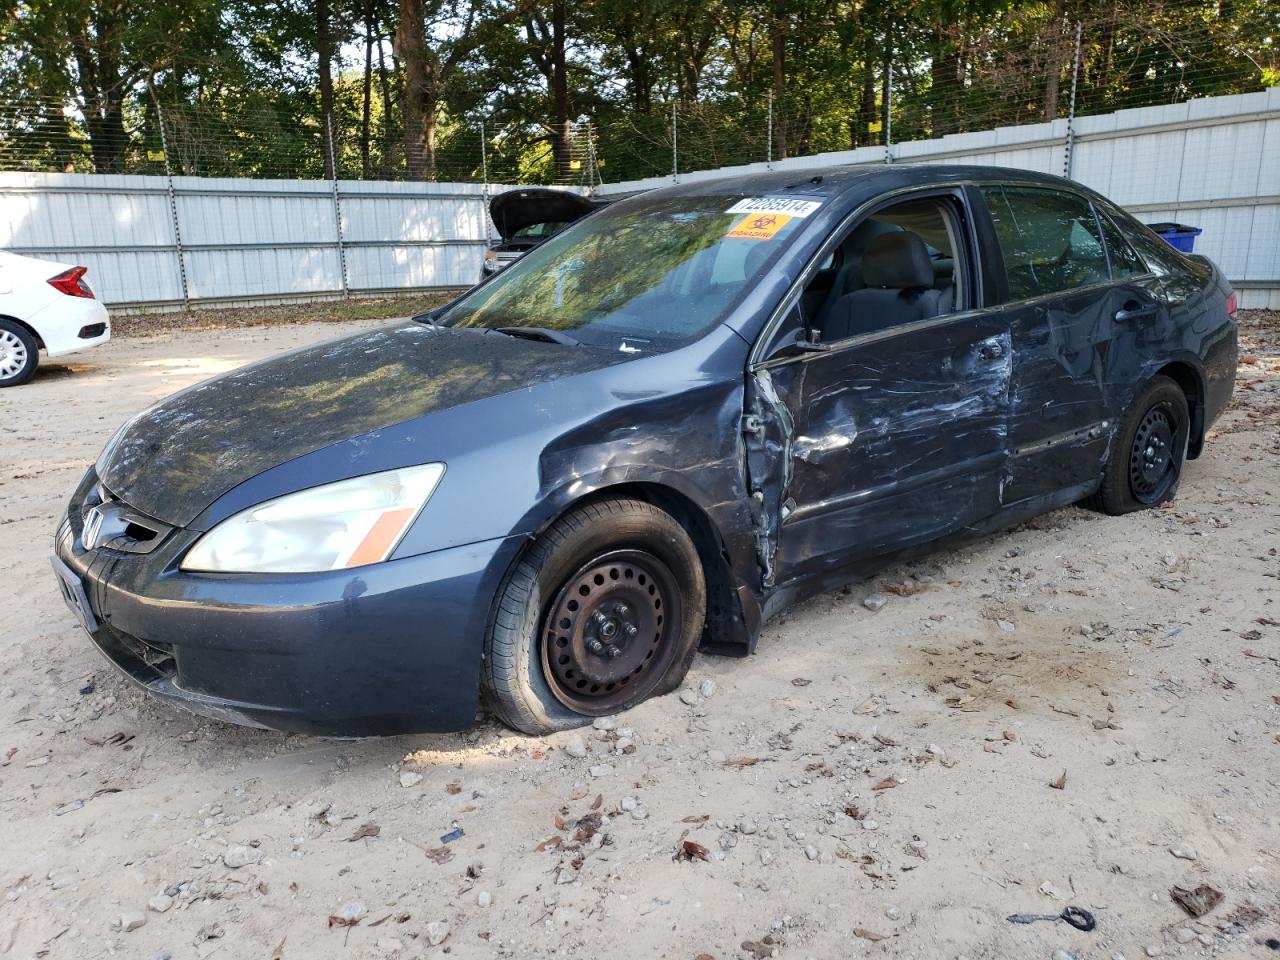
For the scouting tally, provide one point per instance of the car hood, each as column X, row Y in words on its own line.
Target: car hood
column 516, row 209
column 174, row 459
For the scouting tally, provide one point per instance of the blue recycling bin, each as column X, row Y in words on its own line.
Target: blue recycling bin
column 1178, row 235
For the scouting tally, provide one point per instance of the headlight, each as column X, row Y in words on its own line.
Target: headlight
column 346, row 524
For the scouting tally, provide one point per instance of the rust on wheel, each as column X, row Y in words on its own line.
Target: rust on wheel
column 605, row 639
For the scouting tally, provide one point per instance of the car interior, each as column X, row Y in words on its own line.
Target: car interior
column 896, row 267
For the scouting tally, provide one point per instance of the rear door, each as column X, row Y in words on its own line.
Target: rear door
column 1063, row 307
column 885, row 439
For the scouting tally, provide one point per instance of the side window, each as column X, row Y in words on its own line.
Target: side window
column 1177, row 277
column 1049, row 240
column 903, row 263
column 1125, row 261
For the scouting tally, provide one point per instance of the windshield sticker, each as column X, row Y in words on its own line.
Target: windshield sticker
column 758, row 226
column 785, row 206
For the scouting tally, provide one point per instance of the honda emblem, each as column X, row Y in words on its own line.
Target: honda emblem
column 92, row 527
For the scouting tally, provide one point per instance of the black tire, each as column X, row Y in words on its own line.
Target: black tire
column 1145, row 464
column 607, row 549
column 19, row 354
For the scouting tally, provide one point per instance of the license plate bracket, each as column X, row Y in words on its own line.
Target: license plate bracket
column 72, row 588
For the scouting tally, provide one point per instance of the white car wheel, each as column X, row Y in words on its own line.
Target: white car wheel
column 18, row 354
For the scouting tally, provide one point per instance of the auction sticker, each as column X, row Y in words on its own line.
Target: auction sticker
column 782, row 206
column 758, row 226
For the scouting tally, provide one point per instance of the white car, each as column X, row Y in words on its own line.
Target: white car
column 47, row 306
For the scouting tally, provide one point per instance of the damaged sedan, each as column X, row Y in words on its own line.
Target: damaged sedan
column 651, row 433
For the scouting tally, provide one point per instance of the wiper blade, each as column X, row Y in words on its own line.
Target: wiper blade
column 545, row 334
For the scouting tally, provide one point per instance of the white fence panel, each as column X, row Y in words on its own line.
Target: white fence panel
column 1214, row 163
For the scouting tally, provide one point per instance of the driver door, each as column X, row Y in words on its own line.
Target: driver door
column 888, row 438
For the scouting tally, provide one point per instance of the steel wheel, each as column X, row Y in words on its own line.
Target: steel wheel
column 606, row 631
column 1152, row 460
column 13, row 355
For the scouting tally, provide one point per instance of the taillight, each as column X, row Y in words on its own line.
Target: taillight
column 70, row 283
column 1231, row 304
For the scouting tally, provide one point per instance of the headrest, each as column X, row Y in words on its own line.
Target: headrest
column 898, row 261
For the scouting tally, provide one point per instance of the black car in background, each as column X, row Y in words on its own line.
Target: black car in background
column 526, row 217
column 654, row 431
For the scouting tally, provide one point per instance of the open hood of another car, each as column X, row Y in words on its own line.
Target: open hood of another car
column 516, row 209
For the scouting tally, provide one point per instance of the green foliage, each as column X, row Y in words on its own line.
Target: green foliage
column 231, row 88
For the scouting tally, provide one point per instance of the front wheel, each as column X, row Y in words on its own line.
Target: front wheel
column 1146, row 462
column 603, row 612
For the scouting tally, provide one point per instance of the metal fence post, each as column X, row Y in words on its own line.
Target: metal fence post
column 888, row 108
column 337, row 211
column 768, row 157
column 675, row 156
column 1069, row 146
column 173, row 205
column 484, row 189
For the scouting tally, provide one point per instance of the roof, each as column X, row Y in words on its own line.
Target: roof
column 831, row 181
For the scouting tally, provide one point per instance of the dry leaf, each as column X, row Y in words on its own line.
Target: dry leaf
column 1196, row 902
column 800, row 682
column 439, row 854
column 696, row 818
column 1060, row 783
column 868, row 934
column 888, row 783
column 337, row 921
column 689, row 850
column 741, row 762
column 598, row 802
column 453, row 788
column 552, row 841
column 278, row 952
column 366, row 830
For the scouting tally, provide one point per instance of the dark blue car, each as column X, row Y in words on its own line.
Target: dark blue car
column 650, row 434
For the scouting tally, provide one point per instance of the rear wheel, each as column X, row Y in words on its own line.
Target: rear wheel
column 603, row 612
column 1146, row 462
column 19, row 354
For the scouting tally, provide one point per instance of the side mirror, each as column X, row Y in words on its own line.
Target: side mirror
column 794, row 344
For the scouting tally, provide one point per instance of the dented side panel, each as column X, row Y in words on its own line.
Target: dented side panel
column 893, row 440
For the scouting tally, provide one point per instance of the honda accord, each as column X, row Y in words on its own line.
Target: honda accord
column 647, row 436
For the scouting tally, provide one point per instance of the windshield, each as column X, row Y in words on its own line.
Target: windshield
column 649, row 273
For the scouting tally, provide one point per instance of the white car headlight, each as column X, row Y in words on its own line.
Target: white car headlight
column 345, row 524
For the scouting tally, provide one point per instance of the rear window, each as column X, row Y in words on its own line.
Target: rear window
column 1049, row 240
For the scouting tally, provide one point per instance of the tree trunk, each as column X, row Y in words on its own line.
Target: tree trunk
column 778, row 49
column 563, row 142
column 1053, row 69
column 324, row 50
column 366, row 105
column 388, row 129
column 867, row 108
column 410, row 47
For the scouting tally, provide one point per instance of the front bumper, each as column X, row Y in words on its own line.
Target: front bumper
column 384, row 649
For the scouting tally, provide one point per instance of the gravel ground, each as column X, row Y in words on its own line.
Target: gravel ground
column 1084, row 711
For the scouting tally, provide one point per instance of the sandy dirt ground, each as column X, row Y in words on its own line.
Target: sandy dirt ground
column 1081, row 711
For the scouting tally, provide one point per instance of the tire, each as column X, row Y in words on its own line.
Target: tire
column 618, row 562
column 19, row 355
column 1145, row 464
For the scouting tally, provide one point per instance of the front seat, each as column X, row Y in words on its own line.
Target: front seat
column 898, row 274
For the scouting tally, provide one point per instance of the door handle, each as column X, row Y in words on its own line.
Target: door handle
column 991, row 350
column 1133, row 313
